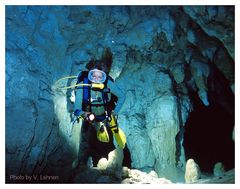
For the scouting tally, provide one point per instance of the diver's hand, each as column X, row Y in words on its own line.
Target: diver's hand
column 86, row 114
column 115, row 115
column 77, row 112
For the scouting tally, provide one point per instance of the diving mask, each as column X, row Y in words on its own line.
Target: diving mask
column 97, row 76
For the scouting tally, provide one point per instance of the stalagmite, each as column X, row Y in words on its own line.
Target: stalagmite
column 192, row 171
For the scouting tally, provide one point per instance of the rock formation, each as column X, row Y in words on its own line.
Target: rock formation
column 218, row 169
column 192, row 171
column 166, row 58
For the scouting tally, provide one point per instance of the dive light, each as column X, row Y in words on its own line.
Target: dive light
column 91, row 117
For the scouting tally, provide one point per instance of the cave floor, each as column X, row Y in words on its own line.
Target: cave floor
column 94, row 175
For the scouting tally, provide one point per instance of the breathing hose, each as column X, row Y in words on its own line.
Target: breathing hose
column 93, row 85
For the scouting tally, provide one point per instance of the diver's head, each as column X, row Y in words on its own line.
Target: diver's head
column 97, row 71
column 103, row 64
column 97, row 64
column 97, row 76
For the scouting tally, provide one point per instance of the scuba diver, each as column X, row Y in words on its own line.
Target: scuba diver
column 98, row 107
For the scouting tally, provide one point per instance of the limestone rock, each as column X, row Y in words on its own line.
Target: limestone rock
column 153, row 174
column 162, row 126
column 216, row 21
column 233, row 134
column 227, row 178
column 178, row 72
column 125, row 172
column 88, row 175
column 218, row 169
column 102, row 164
column 192, row 172
column 112, row 165
column 200, row 72
column 140, row 177
column 160, row 42
column 46, row 43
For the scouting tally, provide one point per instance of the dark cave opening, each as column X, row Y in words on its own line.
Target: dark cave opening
column 208, row 136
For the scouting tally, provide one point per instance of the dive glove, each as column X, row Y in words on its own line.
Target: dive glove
column 77, row 112
column 84, row 115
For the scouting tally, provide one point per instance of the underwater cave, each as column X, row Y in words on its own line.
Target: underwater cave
column 174, row 64
column 208, row 136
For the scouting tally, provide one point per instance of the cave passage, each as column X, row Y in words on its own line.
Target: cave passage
column 208, row 137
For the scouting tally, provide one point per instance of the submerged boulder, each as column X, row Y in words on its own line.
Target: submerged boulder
column 192, row 172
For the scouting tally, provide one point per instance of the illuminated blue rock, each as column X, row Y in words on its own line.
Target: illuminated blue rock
column 162, row 57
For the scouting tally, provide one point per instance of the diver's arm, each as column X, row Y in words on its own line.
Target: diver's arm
column 78, row 101
column 119, row 93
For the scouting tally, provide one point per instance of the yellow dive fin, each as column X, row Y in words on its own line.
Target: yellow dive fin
column 118, row 134
column 102, row 134
column 120, row 137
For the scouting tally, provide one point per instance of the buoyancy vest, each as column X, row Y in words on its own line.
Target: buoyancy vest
column 108, row 103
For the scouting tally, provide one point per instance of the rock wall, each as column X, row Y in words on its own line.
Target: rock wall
column 160, row 55
column 35, row 58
